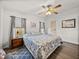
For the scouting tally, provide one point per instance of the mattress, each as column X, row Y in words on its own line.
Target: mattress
column 42, row 46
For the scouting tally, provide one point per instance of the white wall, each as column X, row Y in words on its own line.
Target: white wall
column 68, row 34
column 0, row 28
column 78, row 29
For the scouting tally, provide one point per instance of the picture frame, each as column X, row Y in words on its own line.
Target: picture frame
column 70, row 23
column 18, row 32
column 33, row 25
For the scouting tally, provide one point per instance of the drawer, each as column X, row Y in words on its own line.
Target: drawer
column 16, row 43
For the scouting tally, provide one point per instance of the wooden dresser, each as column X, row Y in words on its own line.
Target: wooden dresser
column 17, row 42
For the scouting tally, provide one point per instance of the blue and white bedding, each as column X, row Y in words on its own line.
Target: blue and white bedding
column 22, row 53
column 42, row 46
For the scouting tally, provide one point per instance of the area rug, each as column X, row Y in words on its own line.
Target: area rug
column 21, row 53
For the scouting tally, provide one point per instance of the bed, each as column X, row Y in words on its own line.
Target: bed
column 41, row 46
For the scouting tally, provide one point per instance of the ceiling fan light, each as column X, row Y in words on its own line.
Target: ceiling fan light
column 48, row 13
column 52, row 10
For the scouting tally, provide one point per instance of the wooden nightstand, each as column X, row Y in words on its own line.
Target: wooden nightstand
column 17, row 42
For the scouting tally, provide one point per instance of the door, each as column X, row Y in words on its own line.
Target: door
column 53, row 25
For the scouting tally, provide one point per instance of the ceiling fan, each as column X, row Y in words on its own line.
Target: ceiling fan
column 49, row 9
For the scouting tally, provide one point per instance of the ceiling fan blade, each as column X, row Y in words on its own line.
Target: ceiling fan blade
column 41, row 13
column 58, row 6
column 43, row 6
column 55, row 12
column 49, row 5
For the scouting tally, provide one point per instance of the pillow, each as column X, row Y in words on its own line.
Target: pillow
column 33, row 33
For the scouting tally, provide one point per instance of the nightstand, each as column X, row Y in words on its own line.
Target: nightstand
column 17, row 42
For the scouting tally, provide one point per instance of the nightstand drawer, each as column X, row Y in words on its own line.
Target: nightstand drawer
column 16, row 42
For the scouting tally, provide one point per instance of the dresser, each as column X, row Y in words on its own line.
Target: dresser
column 17, row 42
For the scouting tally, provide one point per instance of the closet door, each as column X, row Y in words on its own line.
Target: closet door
column 53, row 25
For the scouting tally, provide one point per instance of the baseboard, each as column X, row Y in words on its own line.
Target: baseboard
column 70, row 43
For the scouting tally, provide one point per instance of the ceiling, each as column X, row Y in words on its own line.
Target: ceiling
column 34, row 5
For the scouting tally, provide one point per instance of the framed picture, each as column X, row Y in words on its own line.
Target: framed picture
column 70, row 23
column 33, row 25
column 18, row 32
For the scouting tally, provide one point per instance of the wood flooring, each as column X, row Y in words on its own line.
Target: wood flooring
column 66, row 51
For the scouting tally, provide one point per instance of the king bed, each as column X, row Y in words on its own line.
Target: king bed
column 41, row 46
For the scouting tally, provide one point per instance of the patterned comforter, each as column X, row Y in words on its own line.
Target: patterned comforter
column 41, row 46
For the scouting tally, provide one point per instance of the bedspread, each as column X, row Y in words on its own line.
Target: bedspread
column 41, row 46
